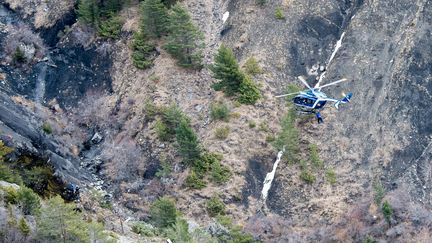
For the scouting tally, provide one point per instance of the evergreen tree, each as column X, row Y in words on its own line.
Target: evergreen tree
column 185, row 41
column 163, row 213
column 154, row 18
column 60, row 222
column 88, row 12
column 187, row 142
column 249, row 93
column 227, row 70
column 144, row 52
column 111, row 7
column 111, row 27
column 179, row 232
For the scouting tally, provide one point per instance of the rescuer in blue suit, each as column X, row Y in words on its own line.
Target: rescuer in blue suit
column 318, row 116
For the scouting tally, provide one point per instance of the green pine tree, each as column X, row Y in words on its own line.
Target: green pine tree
column 111, row 7
column 249, row 93
column 187, row 142
column 163, row 212
column 111, row 27
column 60, row 222
column 154, row 18
column 227, row 70
column 179, row 232
column 143, row 51
column 88, row 12
column 185, row 41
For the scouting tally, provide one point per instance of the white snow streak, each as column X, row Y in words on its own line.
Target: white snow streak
column 270, row 176
column 225, row 16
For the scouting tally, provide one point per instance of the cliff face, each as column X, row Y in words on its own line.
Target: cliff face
column 384, row 135
column 63, row 71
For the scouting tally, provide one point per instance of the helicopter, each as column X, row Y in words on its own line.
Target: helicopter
column 312, row 100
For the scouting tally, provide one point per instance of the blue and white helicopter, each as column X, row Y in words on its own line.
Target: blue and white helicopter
column 313, row 100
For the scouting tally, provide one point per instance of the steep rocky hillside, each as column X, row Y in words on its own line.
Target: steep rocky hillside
column 101, row 110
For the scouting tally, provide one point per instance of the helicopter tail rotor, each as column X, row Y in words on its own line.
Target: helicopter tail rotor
column 344, row 100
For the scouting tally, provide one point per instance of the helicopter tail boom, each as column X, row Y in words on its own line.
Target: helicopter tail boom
column 344, row 100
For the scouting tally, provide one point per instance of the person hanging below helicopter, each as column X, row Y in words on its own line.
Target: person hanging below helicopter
column 319, row 118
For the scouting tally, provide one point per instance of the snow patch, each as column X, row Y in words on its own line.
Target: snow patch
column 225, row 16
column 270, row 176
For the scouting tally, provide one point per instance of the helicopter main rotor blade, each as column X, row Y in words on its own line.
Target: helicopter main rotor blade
column 333, row 83
column 328, row 99
column 279, row 96
column 304, row 82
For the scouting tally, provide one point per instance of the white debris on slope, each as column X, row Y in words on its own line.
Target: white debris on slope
column 225, row 16
column 338, row 45
column 270, row 176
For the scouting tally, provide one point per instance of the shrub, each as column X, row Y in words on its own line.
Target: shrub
column 222, row 132
column 193, row 181
column 378, row 192
column 279, row 14
column 163, row 212
column 165, row 169
column 249, row 92
column 370, row 239
column 4, row 150
column 252, row 124
column 9, row 175
column 19, row 56
column 314, row 156
column 29, row 201
column 111, row 27
column 215, row 206
column 219, row 172
column 252, row 67
column 39, row 178
column 179, row 232
column 264, row 127
column 387, row 211
column 172, row 116
column 331, row 176
column 46, row 127
column 235, row 115
column 270, row 139
column 235, row 233
column 162, row 130
column 11, row 195
column 61, row 222
column 219, row 111
column 24, row 227
column 143, row 229
column 150, row 110
column 203, row 164
column 307, row 176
